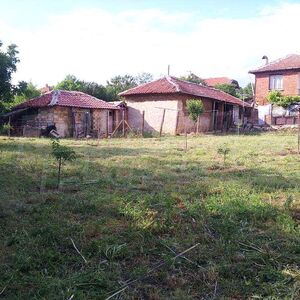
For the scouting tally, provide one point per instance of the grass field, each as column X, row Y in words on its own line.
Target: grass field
column 130, row 204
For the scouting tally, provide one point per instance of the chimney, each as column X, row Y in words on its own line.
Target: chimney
column 265, row 57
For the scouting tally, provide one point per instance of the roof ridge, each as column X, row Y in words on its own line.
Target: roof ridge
column 140, row 85
column 169, row 79
column 275, row 61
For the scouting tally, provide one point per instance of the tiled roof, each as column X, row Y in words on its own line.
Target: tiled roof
column 66, row 98
column 289, row 62
column 173, row 85
column 217, row 80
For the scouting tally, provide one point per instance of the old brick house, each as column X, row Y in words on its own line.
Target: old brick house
column 73, row 114
column 163, row 103
column 282, row 75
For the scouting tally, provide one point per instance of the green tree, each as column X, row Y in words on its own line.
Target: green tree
column 8, row 65
column 71, row 83
column 247, row 91
column 121, row 83
column 193, row 78
column 25, row 91
column 228, row 88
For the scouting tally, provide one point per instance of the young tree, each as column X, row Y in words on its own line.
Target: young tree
column 61, row 154
column 224, row 150
column 195, row 108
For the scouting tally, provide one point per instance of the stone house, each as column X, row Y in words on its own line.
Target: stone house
column 162, row 104
column 71, row 113
column 282, row 75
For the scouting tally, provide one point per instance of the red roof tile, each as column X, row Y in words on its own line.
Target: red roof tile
column 173, row 85
column 66, row 98
column 289, row 62
column 217, row 80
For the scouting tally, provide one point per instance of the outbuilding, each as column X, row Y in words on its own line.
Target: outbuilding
column 70, row 113
column 161, row 105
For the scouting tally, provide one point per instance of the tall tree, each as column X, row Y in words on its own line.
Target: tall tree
column 247, row 91
column 71, row 83
column 25, row 91
column 8, row 65
column 121, row 83
column 228, row 88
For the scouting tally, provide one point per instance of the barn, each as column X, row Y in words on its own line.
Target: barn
column 71, row 113
column 161, row 106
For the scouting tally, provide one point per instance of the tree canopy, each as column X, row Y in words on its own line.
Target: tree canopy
column 228, row 88
column 109, row 92
column 193, row 78
column 8, row 65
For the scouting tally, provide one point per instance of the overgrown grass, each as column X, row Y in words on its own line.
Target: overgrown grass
column 129, row 204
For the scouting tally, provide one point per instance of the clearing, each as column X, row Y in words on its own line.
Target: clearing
column 130, row 204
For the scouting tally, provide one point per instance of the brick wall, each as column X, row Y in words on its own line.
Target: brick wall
column 290, row 85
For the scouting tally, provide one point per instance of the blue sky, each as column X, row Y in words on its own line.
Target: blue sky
column 95, row 39
column 35, row 12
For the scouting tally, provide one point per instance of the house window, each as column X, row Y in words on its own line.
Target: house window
column 299, row 84
column 276, row 82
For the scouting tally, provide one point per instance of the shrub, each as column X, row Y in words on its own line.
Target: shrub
column 275, row 97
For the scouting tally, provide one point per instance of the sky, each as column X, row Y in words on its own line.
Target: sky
column 96, row 40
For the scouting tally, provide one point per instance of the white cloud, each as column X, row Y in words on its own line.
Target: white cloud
column 96, row 44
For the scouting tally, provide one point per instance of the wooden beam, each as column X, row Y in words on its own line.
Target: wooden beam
column 143, row 122
column 107, row 123
column 162, row 122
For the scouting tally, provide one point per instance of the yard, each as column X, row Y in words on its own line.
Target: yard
column 130, row 206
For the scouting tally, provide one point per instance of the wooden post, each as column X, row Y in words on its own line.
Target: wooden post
column 143, row 122
column 185, row 134
column 123, row 122
column 299, row 131
column 162, row 122
column 198, row 122
column 107, row 123
column 214, row 117
column 9, row 123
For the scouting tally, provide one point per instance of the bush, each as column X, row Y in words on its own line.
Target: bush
column 275, row 97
